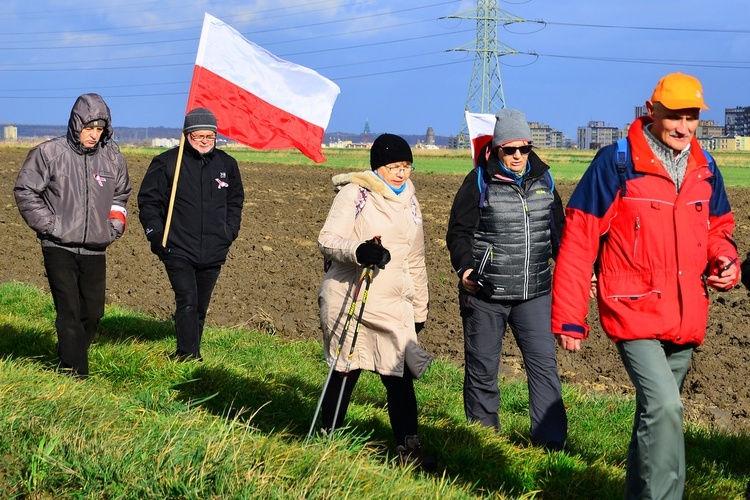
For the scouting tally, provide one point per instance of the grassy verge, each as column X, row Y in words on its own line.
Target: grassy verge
column 234, row 426
column 567, row 165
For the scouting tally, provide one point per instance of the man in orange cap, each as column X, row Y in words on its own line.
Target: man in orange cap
column 650, row 218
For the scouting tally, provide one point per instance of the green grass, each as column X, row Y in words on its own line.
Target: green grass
column 235, row 426
column 567, row 164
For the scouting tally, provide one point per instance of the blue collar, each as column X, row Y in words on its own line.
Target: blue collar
column 395, row 190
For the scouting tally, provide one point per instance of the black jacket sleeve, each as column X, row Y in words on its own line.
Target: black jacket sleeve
column 235, row 199
column 557, row 222
column 153, row 196
column 462, row 223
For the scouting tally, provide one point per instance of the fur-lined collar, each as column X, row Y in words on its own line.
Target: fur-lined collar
column 368, row 180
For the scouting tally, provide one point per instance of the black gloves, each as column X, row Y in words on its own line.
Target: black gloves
column 486, row 289
column 372, row 253
column 419, row 326
column 155, row 239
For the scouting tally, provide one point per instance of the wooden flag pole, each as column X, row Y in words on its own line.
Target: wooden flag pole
column 174, row 191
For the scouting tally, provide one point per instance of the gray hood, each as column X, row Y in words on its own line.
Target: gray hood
column 88, row 107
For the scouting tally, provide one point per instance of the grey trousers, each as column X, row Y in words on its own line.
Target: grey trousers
column 484, row 328
column 656, row 456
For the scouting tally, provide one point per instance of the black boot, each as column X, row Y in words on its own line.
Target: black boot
column 411, row 453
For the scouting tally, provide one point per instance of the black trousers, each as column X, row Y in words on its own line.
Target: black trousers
column 402, row 402
column 78, row 284
column 193, row 286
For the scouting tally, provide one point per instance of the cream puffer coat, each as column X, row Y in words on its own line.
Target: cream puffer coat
column 365, row 207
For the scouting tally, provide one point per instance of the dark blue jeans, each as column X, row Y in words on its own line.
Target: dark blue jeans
column 78, row 284
column 193, row 286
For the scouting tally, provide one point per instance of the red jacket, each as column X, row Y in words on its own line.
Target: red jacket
column 651, row 246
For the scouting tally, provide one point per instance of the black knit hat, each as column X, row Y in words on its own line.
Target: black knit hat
column 199, row 119
column 389, row 148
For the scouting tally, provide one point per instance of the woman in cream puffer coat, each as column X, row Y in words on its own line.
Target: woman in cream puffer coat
column 380, row 204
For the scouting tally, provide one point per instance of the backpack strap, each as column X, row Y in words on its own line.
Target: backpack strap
column 711, row 161
column 622, row 159
column 482, row 184
column 359, row 204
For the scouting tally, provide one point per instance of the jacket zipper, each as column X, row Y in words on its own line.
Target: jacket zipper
column 527, row 256
column 637, row 235
column 85, row 198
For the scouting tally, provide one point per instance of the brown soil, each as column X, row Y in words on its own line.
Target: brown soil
column 274, row 270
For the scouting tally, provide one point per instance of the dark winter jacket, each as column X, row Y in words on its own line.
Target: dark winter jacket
column 651, row 245
column 516, row 226
column 75, row 197
column 207, row 207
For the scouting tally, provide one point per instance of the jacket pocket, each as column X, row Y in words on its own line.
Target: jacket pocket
column 631, row 306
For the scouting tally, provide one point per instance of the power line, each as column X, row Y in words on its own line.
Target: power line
column 647, row 28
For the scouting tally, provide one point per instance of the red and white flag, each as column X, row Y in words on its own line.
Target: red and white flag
column 481, row 129
column 260, row 100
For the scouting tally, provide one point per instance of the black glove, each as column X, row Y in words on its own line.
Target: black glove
column 486, row 289
column 155, row 239
column 371, row 253
column 419, row 326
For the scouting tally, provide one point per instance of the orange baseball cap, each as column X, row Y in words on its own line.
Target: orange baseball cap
column 679, row 91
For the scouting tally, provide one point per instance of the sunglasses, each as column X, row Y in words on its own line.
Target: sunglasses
column 511, row 150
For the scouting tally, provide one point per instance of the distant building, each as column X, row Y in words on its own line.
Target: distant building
column 544, row 136
column 640, row 111
column 10, row 133
column 162, row 142
column 347, row 144
column 366, row 134
column 429, row 138
column 597, row 135
column 709, row 128
column 737, row 121
column 725, row 143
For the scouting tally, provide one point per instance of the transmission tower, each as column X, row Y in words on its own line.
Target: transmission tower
column 486, row 87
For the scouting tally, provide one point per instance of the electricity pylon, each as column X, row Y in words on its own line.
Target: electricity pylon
column 486, row 87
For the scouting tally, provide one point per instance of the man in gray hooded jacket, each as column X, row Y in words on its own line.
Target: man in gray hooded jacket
column 72, row 190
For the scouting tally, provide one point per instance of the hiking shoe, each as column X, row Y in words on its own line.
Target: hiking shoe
column 411, row 453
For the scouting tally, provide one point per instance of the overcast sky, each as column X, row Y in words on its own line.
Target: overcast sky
column 393, row 60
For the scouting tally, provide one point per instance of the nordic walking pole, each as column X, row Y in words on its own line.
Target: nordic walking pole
column 168, row 222
column 368, row 280
column 349, row 315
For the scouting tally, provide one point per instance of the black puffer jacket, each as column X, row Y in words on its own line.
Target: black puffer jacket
column 517, row 226
column 207, row 208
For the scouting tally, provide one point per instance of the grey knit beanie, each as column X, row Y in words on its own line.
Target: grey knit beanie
column 510, row 125
column 199, row 119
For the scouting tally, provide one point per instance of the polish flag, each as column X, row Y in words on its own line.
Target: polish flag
column 260, row 100
column 481, row 129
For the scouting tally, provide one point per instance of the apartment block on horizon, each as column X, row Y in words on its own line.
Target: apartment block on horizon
column 544, row 136
column 10, row 133
column 596, row 135
column 737, row 121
